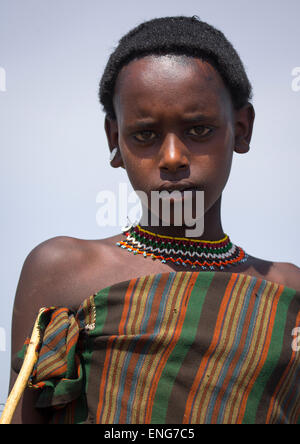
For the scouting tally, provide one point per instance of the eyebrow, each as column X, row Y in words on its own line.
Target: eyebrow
column 148, row 122
column 199, row 118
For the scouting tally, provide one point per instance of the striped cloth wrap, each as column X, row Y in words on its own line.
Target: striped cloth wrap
column 173, row 348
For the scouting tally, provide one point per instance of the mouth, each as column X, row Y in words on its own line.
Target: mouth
column 164, row 192
column 178, row 187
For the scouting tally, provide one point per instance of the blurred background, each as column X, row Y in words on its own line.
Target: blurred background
column 54, row 154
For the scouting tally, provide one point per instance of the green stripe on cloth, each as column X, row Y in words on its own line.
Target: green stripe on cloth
column 272, row 357
column 176, row 359
column 172, row 348
column 98, row 303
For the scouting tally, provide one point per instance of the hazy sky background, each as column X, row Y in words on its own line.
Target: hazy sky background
column 54, row 154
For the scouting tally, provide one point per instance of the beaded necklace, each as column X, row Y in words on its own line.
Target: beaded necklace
column 208, row 255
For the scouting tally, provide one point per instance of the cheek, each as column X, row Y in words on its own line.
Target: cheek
column 215, row 178
column 221, row 171
column 222, row 167
column 221, row 158
column 139, row 169
column 139, row 172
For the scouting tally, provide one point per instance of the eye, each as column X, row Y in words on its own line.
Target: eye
column 200, row 131
column 145, row 136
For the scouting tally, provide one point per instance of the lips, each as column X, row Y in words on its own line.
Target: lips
column 165, row 192
column 178, row 187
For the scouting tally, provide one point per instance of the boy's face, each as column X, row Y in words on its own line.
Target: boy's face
column 176, row 125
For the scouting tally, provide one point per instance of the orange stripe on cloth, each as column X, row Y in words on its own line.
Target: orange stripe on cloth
column 189, row 403
column 103, row 377
column 266, row 335
column 215, row 363
column 126, row 306
column 170, row 348
column 110, row 347
column 282, row 387
column 158, row 346
column 135, row 327
column 121, row 347
column 236, row 358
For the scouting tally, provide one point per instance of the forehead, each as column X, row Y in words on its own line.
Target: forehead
column 156, row 84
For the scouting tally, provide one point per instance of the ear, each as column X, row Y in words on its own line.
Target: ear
column 112, row 134
column 244, row 120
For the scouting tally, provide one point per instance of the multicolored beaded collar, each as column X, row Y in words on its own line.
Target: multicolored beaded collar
column 208, row 255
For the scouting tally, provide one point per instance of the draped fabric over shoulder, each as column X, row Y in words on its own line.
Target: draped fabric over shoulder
column 174, row 348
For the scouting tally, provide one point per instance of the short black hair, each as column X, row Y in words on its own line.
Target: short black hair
column 178, row 35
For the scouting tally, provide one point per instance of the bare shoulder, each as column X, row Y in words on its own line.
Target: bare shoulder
column 55, row 249
column 52, row 257
column 288, row 273
column 65, row 270
column 56, row 266
column 53, row 274
column 283, row 273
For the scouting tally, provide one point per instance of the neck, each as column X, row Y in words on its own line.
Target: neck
column 212, row 225
column 212, row 251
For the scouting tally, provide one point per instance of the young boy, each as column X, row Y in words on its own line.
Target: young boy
column 177, row 104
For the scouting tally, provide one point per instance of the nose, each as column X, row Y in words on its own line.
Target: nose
column 174, row 154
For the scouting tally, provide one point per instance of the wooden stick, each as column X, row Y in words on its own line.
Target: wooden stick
column 30, row 359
